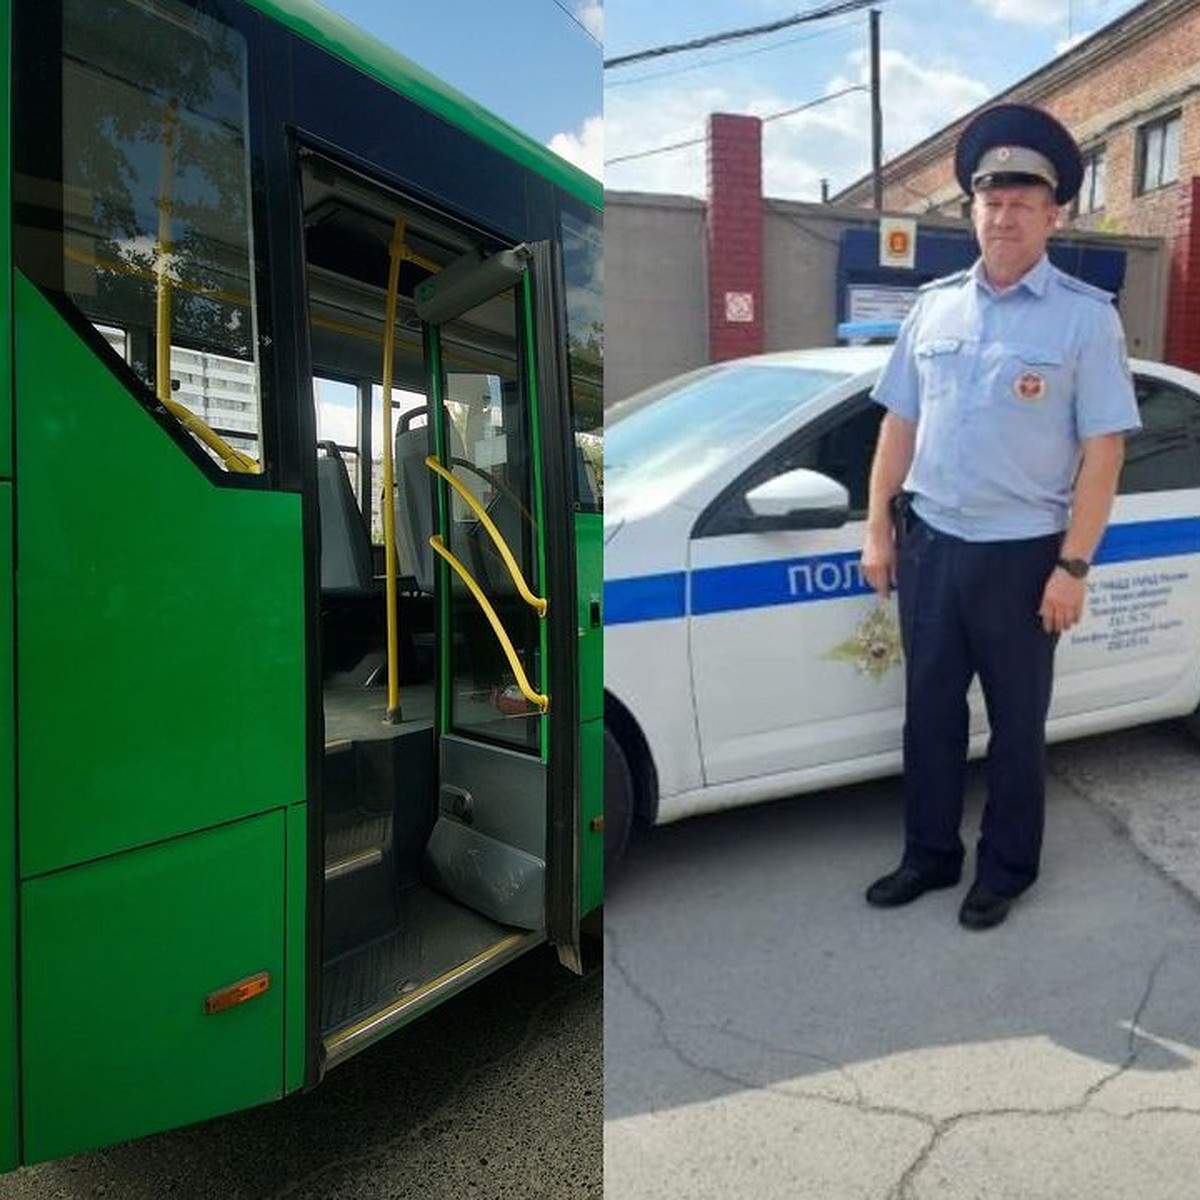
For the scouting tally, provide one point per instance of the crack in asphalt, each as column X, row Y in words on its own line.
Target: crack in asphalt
column 904, row 1186
column 938, row 1128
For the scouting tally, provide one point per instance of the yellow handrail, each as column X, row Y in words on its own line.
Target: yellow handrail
column 542, row 702
column 234, row 460
column 396, row 251
column 162, row 291
column 537, row 603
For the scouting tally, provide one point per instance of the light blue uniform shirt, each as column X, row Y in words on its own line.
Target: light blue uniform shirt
column 1004, row 386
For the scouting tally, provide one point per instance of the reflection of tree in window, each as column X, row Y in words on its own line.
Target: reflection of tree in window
column 1165, row 454
column 154, row 114
column 584, row 271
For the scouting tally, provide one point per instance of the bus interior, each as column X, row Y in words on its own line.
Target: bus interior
column 391, row 937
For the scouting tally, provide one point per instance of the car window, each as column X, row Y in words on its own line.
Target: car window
column 841, row 445
column 1165, row 453
column 656, row 452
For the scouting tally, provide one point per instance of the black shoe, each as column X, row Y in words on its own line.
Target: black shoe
column 982, row 909
column 904, row 885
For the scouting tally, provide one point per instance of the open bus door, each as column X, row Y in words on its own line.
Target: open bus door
column 451, row 812
column 506, row 837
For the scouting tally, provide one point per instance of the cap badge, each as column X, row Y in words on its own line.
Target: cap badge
column 1029, row 385
column 1003, row 154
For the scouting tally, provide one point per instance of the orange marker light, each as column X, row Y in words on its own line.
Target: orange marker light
column 236, row 993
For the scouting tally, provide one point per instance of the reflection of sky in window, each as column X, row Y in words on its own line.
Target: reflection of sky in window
column 583, row 248
column 656, row 453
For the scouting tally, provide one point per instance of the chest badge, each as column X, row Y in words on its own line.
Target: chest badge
column 1029, row 385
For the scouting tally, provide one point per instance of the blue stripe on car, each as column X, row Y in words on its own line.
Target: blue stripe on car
column 742, row 586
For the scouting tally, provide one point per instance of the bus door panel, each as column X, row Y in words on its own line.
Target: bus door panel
column 497, row 808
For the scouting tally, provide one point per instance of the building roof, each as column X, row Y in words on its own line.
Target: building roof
column 1107, row 42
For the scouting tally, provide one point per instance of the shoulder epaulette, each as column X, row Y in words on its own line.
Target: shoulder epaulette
column 1085, row 289
column 944, row 281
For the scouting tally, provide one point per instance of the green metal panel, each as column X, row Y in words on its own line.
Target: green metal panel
column 118, row 957
column 591, row 802
column 367, row 53
column 6, row 464
column 589, row 567
column 159, row 616
column 589, row 564
column 8, row 866
column 297, row 970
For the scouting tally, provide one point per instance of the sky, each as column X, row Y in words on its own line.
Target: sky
column 536, row 63
column 937, row 61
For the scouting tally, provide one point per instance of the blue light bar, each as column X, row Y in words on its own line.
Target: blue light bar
column 862, row 333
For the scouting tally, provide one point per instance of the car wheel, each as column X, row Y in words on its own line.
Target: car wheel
column 618, row 802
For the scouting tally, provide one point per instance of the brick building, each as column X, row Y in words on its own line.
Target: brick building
column 1130, row 94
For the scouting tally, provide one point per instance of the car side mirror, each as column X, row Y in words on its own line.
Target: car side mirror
column 799, row 499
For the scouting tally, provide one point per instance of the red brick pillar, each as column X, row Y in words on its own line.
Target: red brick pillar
column 735, row 236
column 1183, row 292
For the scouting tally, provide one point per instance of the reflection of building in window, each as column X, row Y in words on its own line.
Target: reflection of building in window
column 220, row 390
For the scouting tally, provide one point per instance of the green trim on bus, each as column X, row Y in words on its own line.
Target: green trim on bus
column 589, row 569
column 161, row 620
column 525, row 290
column 336, row 35
column 9, row 1139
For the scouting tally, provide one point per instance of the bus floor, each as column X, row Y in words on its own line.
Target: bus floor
column 387, row 935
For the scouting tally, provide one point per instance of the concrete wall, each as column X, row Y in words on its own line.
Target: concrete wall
column 655, row 290
column 656, row 314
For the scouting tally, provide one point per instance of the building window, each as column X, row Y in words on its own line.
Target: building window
column 1158, row 153
column 1091, row 191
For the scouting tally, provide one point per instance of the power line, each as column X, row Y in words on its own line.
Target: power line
column 574, row 17
column 786, row 112
column 713, row 62
column 836, row 9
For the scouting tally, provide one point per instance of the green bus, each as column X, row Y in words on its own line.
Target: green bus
column 272, row 786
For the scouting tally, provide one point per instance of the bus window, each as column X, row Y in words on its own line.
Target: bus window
column 583, row 256
column 157, row 239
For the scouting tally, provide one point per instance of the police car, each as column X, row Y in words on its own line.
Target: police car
column 745, row 656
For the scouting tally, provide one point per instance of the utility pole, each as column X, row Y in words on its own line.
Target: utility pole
column 876, row 115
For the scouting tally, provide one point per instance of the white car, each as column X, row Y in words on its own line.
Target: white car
column 745, row 657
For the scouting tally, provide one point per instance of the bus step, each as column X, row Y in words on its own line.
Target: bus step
column 360, row 887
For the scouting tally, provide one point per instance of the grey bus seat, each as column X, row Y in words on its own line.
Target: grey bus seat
column 345, row 544
column 414, row 522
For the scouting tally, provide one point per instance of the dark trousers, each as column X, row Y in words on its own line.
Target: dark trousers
column 967, row 609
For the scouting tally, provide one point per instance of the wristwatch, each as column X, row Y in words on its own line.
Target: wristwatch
column 1077, row 568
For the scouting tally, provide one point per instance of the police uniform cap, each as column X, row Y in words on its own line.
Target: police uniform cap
column 1017, row 143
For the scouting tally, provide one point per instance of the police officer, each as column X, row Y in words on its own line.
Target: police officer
column 1008, row 396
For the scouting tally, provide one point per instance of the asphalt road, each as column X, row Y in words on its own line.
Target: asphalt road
column 495, row 1095
column 767, row 1034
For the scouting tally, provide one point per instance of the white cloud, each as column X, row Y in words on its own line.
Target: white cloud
column 585, row 148
column 591, row 14
column 831, row 141
column 639, row 119
column 1027, row 12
